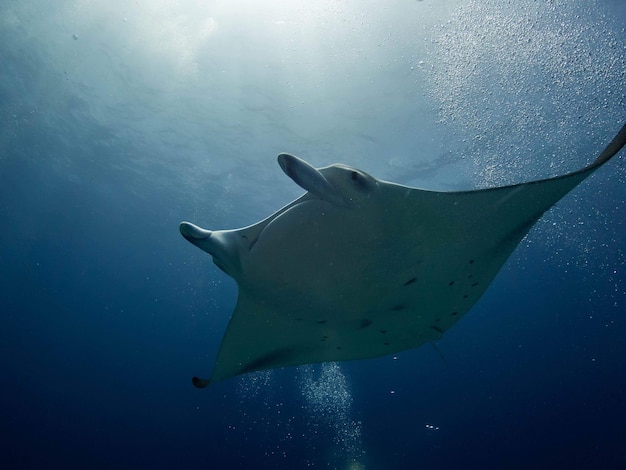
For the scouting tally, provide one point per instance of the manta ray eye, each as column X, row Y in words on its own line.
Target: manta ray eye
column 359, row 180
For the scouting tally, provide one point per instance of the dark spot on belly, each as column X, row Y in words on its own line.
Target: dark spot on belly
column 474, row 284
column 321, row 322
column 338, row 347
column 365, row 322
column 465, row 296
column 451, row 283
column 386, row 343
column 471, row 261
column 397, row 308
column 455, row 313
column 438, row 320
column 437, row 329
column 383, row 331
column 410, row 281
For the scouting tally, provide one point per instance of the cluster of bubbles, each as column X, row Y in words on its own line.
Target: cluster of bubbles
column 528, row 82
column 332, row 436
column 328, row 401
column 252, row 385
column 535, row 89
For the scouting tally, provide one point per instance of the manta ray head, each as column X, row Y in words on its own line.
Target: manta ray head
column 338, row 184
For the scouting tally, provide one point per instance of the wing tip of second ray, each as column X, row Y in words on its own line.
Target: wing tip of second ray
column 200, row 383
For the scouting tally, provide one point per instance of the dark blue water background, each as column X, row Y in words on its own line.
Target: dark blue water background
column 118, row 121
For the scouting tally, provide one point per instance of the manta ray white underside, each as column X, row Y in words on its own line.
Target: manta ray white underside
column 358, row 268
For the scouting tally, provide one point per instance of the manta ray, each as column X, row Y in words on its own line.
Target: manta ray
column 359, row 267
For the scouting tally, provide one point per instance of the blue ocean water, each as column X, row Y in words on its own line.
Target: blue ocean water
column 119, row 120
